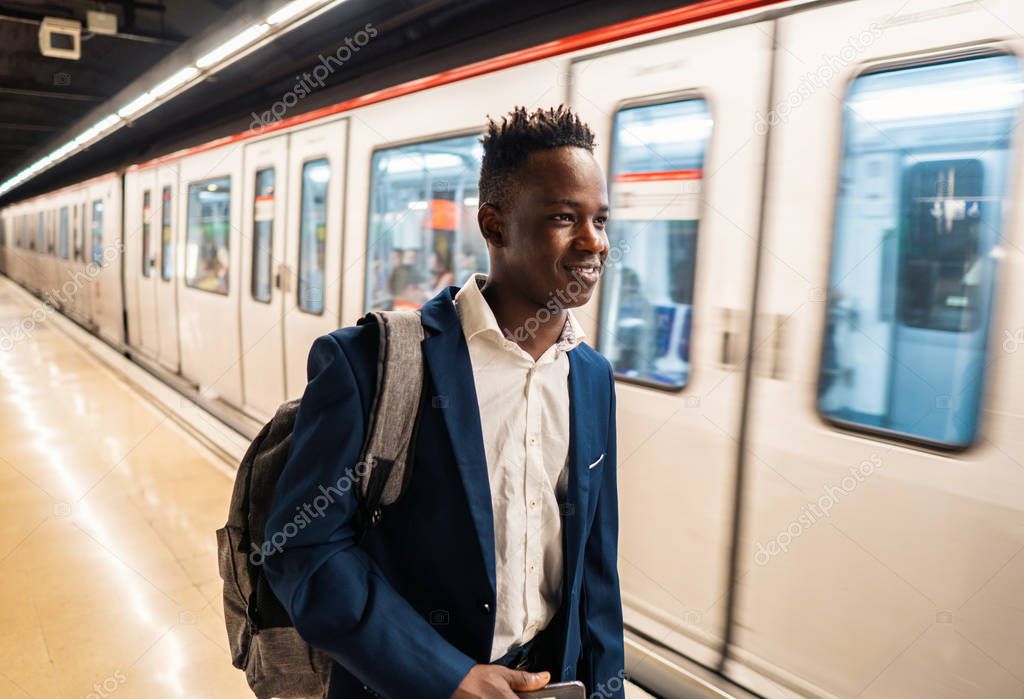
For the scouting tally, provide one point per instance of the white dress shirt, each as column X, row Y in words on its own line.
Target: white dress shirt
column 524, row 414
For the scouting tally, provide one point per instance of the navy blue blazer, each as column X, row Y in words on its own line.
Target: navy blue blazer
column 410, row 609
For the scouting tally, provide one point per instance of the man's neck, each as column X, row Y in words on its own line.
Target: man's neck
column 514, row 316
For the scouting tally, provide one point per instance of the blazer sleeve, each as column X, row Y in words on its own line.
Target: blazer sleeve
column 336, row 594
column 602, row 660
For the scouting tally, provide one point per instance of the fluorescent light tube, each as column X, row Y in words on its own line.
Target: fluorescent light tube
column 233, row 46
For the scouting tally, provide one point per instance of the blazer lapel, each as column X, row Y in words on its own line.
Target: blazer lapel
column 447, row 359
column 581, row 436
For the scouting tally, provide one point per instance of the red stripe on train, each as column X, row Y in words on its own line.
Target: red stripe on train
column 595, row 37
column 660, row 176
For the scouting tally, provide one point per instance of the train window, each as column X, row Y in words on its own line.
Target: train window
column 97, row 232
column 262, row 234
column 76, row 245
column 647, row 297
column 423, row 233
column 85, row 231
column 207, row 251
column 916, row 246
column 316, row 174
column 147, row 210
column 63, row 240
column 166, row 246
column 41, row 233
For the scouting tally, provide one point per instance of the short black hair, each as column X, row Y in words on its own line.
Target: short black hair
column 508, row 145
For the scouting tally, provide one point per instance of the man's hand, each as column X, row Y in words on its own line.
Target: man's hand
column 498, row 682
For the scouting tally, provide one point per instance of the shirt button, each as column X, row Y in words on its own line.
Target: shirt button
column 533, row 503
column 532, row 567
column 533, row 440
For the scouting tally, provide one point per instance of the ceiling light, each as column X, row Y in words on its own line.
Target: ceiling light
column 96, row 129
column 62, row 151
column 233, row 46
column 291, row 10
column 175, row 81
column 143, row 100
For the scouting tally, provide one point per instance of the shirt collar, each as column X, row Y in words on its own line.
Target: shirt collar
column 476, row 316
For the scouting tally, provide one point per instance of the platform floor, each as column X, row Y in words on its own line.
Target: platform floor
column 107, row 516
column 108, row 509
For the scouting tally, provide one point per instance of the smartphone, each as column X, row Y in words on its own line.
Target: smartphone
column 558, row 690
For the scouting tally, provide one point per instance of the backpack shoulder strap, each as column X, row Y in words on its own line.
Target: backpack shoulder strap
column 395, row 410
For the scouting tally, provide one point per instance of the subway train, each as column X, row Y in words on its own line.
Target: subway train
column 814, row 307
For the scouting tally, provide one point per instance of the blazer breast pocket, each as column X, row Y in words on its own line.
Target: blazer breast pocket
column 596, row 463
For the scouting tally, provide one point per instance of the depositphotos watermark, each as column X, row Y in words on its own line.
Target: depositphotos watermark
column 309, row 511
column 812, row 81
column 564, row 298
column 610, row 687
column 812, row 513
column 109, row 685
column 307, row 83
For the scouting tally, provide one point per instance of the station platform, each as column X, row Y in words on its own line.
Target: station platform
column 112, row 485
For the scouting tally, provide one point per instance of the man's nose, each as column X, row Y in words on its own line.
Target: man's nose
column 591, row 238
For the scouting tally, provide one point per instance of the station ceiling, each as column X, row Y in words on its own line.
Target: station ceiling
column 41, row 98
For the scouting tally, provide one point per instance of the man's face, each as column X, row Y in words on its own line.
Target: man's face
column 555, row 243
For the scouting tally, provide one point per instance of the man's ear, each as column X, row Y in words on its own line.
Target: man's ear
column 492, row 224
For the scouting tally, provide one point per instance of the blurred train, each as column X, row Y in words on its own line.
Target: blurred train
column 815, row 310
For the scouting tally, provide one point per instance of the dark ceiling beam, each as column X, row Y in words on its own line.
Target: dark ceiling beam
column 51, row 94
column 23, row 126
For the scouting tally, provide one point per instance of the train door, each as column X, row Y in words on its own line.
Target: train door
column 316, row 172
column 882, row 527
column 209, row 210
column 262, row 296
column 166, row 276
column 145, row 229
column 684, row 171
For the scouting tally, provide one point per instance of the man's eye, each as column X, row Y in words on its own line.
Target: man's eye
column 601, row 220
column 564, row 217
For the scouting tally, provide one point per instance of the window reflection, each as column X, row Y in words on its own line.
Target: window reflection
column 97, row 232
column 207, row 248
column 147, row 212
column 316, row 175
column 923, row 184
column 63, row 241
column 423, row 232
column 166, row 243
column 262, row 234
column 647, row 296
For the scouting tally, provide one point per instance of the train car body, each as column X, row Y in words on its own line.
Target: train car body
column 814, row 305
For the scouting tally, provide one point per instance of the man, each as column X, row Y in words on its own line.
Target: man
column 496, row 571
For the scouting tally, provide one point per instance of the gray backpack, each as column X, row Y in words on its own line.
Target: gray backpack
column 263, row 640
